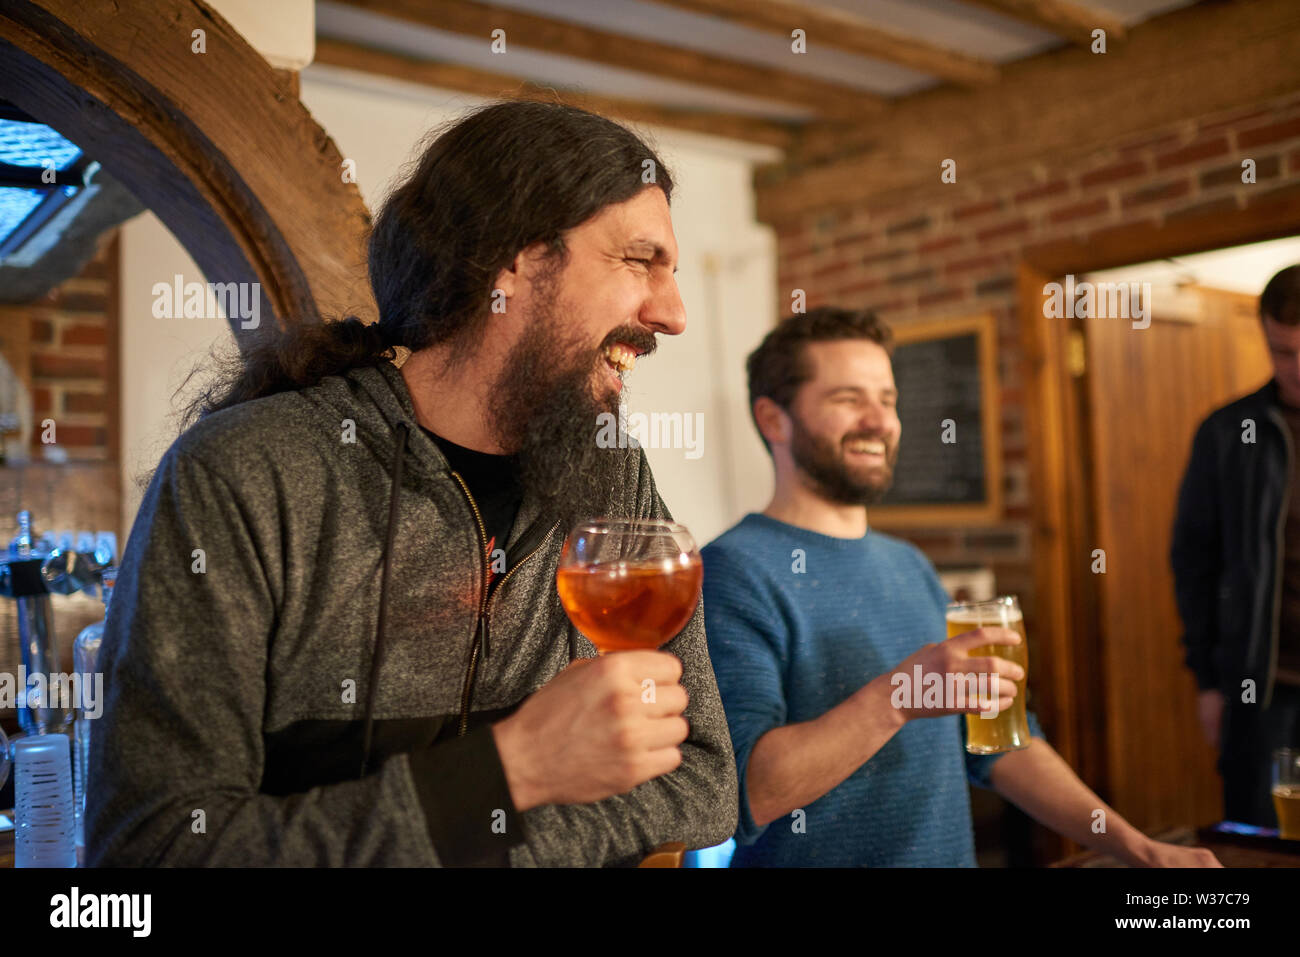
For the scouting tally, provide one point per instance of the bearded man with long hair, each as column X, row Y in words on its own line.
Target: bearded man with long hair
column 335, row 630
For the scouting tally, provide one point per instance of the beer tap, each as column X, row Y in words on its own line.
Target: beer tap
column 32, row 570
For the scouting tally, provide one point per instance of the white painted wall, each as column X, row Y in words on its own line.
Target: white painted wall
column 284, row 31
column 727, row 279
column 156, row 353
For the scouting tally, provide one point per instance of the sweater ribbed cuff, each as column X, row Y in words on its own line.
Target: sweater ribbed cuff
column 466, row 800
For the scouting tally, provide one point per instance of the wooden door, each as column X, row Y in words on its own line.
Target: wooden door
column 1147, row 390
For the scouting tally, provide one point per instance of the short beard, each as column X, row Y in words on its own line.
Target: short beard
column 543, row 412
column 819, row 459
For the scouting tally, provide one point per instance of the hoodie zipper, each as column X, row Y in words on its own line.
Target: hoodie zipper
column 484, row 615
column 482, row 606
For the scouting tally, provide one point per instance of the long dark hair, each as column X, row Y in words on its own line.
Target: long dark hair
column 488, row 184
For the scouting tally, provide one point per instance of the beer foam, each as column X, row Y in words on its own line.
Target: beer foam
column 989, row 617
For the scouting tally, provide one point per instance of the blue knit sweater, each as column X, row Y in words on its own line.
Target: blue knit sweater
column 796, row 623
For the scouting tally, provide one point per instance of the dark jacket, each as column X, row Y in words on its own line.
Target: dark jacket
column 247, row 618
column 1228, row 544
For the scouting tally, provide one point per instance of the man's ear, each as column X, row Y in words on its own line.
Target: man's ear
column 510, row 279
column 773, row 421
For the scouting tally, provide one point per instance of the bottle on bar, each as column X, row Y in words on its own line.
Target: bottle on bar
column 85, row 657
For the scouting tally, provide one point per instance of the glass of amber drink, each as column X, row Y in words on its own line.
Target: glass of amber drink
column 1286, row 792
column 1009, row 730
column 629, row 584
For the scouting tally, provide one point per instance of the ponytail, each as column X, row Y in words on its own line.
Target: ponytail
column 293, row 357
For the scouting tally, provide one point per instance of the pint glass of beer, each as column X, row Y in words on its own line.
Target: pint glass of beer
column 1009, row 730
column 1286, row 792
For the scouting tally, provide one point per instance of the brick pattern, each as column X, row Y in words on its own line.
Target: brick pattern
column 69, row 363
column 954, row 251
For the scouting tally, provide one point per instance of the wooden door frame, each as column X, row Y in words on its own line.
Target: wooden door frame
column 1071, row 706
column 215, row 143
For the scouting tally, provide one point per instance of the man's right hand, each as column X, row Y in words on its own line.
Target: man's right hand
column 953, row 657
column 595, row 730
column 1209, row 709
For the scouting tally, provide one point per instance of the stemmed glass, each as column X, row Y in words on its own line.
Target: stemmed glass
column 629, row 584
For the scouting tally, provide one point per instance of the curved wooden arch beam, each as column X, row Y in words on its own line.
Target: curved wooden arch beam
column 215, row 143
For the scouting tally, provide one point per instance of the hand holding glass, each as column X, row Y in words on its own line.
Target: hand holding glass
column 1009, row 731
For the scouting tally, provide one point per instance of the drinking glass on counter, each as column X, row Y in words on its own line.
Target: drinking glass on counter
column 44, row 823
column 629, row 584
column 1286, row 792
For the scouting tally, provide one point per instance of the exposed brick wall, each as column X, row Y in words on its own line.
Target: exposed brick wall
column 69, row 362
column 955, row 249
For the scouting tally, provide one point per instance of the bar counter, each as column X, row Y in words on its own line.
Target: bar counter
column 1233, row 850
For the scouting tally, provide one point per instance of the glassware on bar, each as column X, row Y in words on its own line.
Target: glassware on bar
column 629, row 584
column 1009, row 730
column 1286, row 792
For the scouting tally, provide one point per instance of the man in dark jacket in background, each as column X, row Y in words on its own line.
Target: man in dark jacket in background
column 335, row 638
column 1236, row 561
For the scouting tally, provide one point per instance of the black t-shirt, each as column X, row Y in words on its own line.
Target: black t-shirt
column 493, row 481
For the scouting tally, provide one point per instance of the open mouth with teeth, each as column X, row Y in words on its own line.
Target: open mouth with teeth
column 621, row 358
column 870, row 448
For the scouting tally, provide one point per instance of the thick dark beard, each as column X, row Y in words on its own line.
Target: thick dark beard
column 543, row 411
column 820, row 461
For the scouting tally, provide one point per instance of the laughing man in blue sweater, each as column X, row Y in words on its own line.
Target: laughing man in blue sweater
column 808, row 613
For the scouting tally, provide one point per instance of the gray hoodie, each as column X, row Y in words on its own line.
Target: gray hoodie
column 247, row 619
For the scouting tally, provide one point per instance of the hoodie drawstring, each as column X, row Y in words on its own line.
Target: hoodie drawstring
column 378, row 657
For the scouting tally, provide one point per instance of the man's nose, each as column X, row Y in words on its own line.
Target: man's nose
column 872, row 418
column 664, row 311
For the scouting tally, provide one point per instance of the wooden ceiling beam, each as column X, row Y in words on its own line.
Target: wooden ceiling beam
column 1073, row 21
column 529, row 31
column 835, row 29
column 338, row 53
column 1194, row 61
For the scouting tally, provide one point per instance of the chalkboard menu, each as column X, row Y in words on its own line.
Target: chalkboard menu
column 946, row 470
